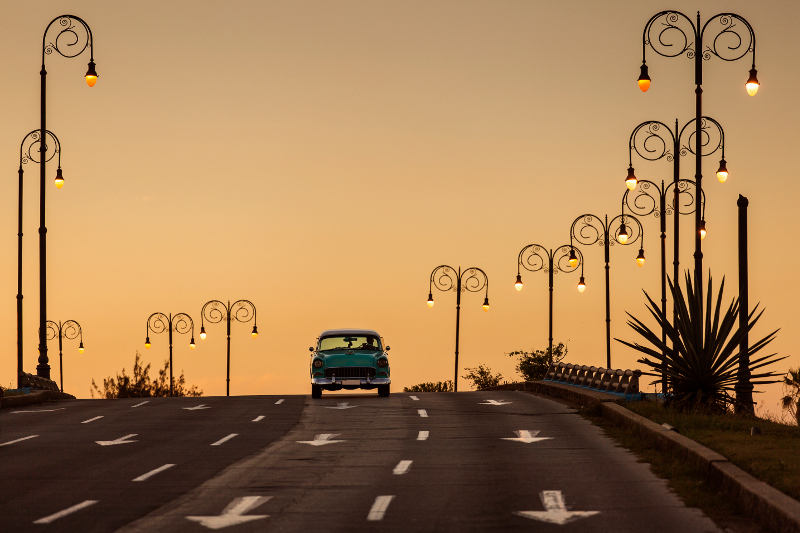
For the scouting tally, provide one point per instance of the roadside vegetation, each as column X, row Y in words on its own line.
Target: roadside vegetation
column 433, row 386
column 533, row 365
column 139, row 385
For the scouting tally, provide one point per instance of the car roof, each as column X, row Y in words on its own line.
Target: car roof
column 348, row 331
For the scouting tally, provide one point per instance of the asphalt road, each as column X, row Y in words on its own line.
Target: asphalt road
column 501, row 461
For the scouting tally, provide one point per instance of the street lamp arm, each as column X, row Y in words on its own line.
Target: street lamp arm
column 33, row 139
column 706, row 139
column 727, row 20
column 442, row 278
column 670, row 23
column 592, row 230
column 158, row 323
column 180, row 324
column 637, row 234
column 213, row 314
column 53, row 330
column 68, row 32
column 644, row 203
column 474, row 283
column 242, row 311
column 71, row 330
column 652, row 129
column 533, row 261
column 564, row 266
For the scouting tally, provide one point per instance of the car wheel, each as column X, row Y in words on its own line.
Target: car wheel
column 383, row 390
column 316, row 391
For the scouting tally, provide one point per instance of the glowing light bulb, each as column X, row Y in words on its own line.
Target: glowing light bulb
column 581, row 285
column 255, row 332
column 59, row 179
column 702, row 229
column 752, row 84
column 573, row 259
column 722, row 173
column 202, row 332
column 191, row 343
column 147, row 343
column 630, row 180
column 518, row 284
column 80, row 348
column 644, row 78
column 430, row 300
column 486, row 304
column 640, row 257
column 622, row 237
column 91, row 75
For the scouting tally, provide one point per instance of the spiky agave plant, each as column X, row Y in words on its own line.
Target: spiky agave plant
column 702, row 362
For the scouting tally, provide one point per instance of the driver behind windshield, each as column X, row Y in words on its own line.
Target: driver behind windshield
column 369, row 345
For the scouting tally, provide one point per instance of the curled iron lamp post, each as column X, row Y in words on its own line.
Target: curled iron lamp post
column 69, row 330
column 215, row 311
column 70, row 37
column 672, row 34
column 447, row 278
column 531, row 258
column 179, row 323
column 30, row 146
column 592, row 229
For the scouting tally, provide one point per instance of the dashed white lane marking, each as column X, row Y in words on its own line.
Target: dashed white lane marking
column 321, row 439
column 153, row 472
column 379, row 507
column 196, row 407
column 556, row 512
column 402, row 467
column 224, row 439
column 39, row 411
column 259, row 418
column 121, row 440
column 139, row 404
column 423, row 435
column 279, row 401
column 91, row 420
column 65, row 512
column 18, row 440
column 414, row 398
column 423, row 413
column 233, row 513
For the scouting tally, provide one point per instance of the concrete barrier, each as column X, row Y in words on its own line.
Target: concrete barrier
column 592, row 377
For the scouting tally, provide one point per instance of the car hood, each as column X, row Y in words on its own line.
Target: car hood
column 359, row 358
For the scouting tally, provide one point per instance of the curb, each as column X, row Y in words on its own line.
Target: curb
column 34, row 398
column 578, row 395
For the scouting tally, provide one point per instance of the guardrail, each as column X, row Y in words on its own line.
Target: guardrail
column 592, row 377
column 37, row 382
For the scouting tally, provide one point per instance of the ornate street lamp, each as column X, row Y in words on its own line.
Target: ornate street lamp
column 472, row 279
column 159, row 323
column 216, row 311
column 69, row 330
column 530, row 258
column 71, row 37
column 672, row 34
column 28, row 150
column 607, row 233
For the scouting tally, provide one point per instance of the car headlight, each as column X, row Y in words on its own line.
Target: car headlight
column 383, row 363
column 318, row 363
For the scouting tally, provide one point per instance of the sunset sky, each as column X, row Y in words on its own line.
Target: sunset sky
column 321, row 158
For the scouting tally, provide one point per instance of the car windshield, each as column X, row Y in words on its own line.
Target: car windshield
column 350, row 342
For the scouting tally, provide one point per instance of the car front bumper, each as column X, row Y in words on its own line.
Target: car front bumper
column 354, row 383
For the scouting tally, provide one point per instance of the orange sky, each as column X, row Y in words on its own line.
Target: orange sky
column 321, row 158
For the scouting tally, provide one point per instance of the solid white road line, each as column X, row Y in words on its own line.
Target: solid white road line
column 414, row 398
column 40, row 411
column 402, row 467
column 379, row 507
column 138, row 404
column 423, row 413
column 91, row 420
column 423, row 435
column 259, row 418
column 18, row 440
column 225, row 439
column 121, row 440
column 279, row 401
column 153, row 472
column 65, row 512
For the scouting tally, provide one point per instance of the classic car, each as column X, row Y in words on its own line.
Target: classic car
column 349, row 359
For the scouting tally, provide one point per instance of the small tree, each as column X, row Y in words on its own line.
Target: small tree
column 141, row 386
column 791, row 385
column 533, row 365
column 482, row 377
column 438, row 386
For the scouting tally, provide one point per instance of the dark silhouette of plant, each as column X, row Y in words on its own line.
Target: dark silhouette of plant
column 791, row 402
column 140, row 386
column 533, row 365
column 438, row 386
column 482, row 377
column 702, row 362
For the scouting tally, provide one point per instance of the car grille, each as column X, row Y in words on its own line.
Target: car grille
column 346, row 372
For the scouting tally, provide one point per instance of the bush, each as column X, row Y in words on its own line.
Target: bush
column 439, row 386
column 533, row 365
column 482, row 377
column 141, row 386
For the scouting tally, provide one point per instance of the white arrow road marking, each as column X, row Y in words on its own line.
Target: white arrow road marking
column 224, row 439
column 232, row 514
column 402, row 467
column 423, row 413
column 65, row 512
column 138, row 404
column 18, row 440
column 279, row 401
column 379, row 507
column 121, row 440
column 322, row 439
column 414, row 398
column 259, row 418
column 527, row 436
column 556, row 512
column 40, row 411
column 153, row 472
column 495, row 402
column 342, row 406
column 196, row 407
column 91, row 420
column 423, row 435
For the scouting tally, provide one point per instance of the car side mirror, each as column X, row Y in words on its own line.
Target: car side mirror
column 310, row 348
column 388, row 348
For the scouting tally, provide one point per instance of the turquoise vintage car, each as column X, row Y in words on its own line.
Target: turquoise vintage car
column 349, row 359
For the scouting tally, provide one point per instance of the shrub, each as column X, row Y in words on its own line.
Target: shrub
column 533, row 365
column 439, row 386
column 482, row 377
column 141, row 386
column 791, row 385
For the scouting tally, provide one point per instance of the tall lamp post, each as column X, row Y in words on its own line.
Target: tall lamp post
column 447, row 278
column 69, row 330
column 592, row 229
column 72, row 38
column 216, row 311
column 530, row 258
column 159, row 323
column 31, row 144
column 671, row 34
